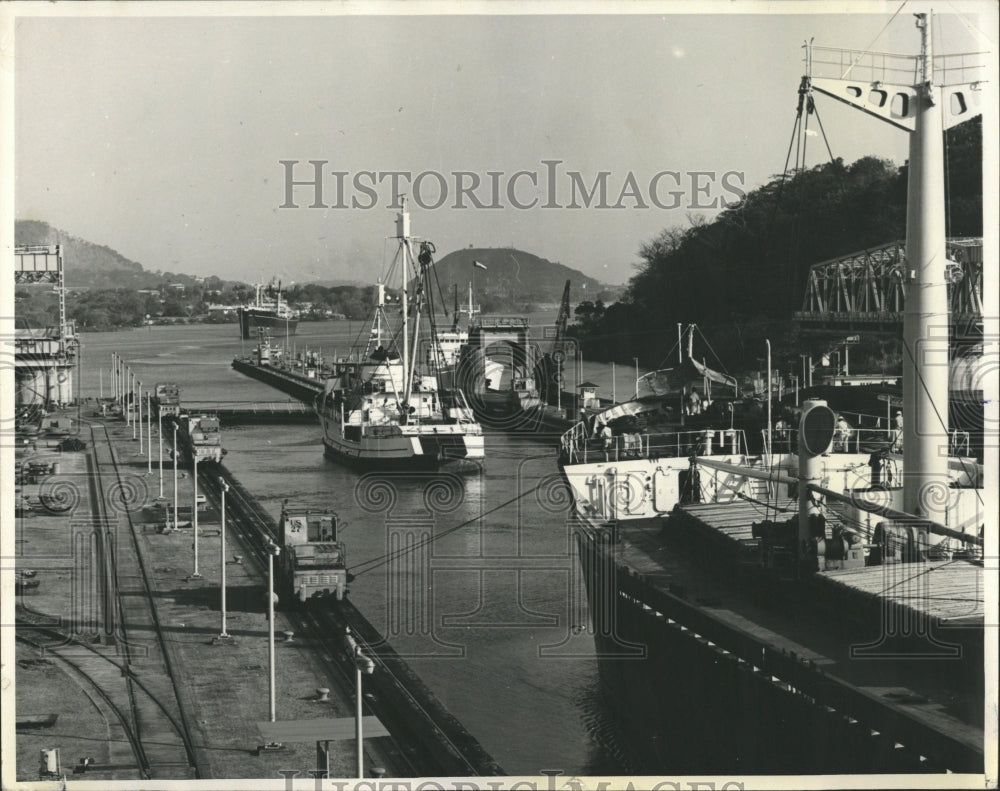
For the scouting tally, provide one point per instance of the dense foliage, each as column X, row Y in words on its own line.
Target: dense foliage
column 741, row 276
column 352, row 302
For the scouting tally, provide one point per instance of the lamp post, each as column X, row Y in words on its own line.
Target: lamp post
column 223, row 634
column 194, row 516
column 135, row 382
column 140, row 416
column 176, row 520
column 362, row 664
column 149, row 435
column 159, row 439
column 273, row 550
column 769, row 397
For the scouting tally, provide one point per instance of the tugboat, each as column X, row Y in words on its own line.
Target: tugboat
column 377, row 411
column 810, row 607
column 268, row 312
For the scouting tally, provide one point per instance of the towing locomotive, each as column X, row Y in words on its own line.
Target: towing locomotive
column 313, row 560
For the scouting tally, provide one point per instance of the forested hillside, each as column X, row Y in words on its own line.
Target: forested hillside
column 741, row 276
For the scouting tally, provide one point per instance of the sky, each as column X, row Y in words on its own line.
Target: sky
column 163, row 137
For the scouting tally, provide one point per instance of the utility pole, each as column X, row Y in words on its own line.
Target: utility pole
column 273, row 550
column 362, row 664
column 149, row 435
column 159, row 437
column 223, row 634
column 139, row 384
column 175, row 454
column 194, row 513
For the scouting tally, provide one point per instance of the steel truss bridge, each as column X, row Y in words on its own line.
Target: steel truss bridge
column 866, row 291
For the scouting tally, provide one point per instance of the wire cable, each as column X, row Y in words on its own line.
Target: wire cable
column 866, row 49
column 381, row 560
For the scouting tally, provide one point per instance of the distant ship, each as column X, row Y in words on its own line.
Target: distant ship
column 267, row 311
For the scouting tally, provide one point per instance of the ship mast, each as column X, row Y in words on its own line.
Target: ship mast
column 403, row 234
column 918, row 109
column 925, row 316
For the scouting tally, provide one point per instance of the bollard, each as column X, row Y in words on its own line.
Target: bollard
column 238, row 560
column 322, row 694
column 289, row 636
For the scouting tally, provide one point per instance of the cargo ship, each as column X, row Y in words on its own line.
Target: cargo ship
column 267, row 312
column 815, row 606
column 377, row 412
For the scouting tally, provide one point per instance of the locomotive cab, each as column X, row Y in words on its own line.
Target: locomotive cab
column 314, row 561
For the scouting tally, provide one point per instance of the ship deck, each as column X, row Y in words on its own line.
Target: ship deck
column 942, row 592
column 849, row 623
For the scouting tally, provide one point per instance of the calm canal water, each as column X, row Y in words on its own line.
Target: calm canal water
column 480, row 590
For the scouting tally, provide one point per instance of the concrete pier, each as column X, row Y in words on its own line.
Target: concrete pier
column 104, row 586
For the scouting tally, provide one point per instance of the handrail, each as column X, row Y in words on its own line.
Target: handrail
column 576, row 447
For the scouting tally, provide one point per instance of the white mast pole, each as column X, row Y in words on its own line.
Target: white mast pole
column 403, row 233
column 925, row 315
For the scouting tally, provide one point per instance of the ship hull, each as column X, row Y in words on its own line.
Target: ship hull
column 252, row 320
column 699, row 689
column 405, row 452
column 701, row 647
column 370, row 462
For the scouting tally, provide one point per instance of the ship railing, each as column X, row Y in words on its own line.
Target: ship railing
column 573, row 444
column 845, row 440
column 578, row 447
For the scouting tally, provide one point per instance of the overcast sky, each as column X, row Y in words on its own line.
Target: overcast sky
column 162, row 137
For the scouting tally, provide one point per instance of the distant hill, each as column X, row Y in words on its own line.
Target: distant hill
column 90, row 265
column 513, row 273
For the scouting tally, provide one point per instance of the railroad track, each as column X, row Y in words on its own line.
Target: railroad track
column 97, row 671
column 159, row 720
column 118, row 721
column 425, row 735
